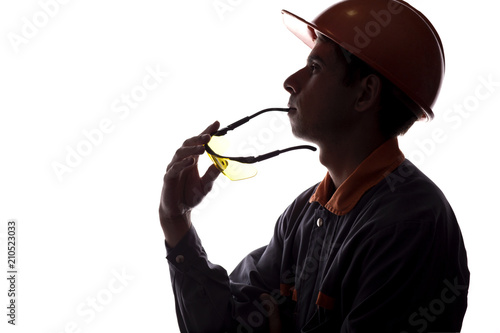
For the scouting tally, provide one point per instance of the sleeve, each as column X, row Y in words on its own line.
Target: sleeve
column 208, row 300
column 414, row 279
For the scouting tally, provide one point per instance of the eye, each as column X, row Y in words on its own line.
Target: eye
column 314, row 67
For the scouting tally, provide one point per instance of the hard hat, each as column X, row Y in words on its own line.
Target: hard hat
column 391, row 36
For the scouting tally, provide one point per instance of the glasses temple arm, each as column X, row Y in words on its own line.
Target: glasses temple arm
column 240, row 122
column 252, row 159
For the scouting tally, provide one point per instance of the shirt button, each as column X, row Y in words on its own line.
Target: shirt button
column 179, row 259
column 319, row 222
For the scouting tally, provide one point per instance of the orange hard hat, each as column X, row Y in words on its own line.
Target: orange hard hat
column 391, row 36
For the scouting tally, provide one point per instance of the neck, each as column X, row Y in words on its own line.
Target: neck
column 343, row 156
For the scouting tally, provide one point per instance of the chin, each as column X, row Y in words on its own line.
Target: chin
column 297, row 131
column 303, row 134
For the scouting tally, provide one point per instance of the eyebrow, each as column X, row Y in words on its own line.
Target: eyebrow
column 314, row 57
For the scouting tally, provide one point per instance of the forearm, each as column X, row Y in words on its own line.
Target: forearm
column 201, row 289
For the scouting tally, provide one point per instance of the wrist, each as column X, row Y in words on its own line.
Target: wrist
column 175, row 227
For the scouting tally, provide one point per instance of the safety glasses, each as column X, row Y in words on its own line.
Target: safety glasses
column 238, row 168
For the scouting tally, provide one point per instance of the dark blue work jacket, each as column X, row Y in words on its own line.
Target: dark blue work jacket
column 384, row 256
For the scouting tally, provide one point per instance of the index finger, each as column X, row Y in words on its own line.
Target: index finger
column 204, row 136
column 211, row 129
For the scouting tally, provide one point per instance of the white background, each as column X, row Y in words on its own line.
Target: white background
column 99, row 218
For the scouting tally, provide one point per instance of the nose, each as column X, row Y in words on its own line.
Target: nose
column 291, row 83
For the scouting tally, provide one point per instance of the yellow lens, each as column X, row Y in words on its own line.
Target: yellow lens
column 232, row 169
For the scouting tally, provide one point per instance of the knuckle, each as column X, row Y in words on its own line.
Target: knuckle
column 179, row 151
column 172, row 169
column 168, row 173
column 190, row 141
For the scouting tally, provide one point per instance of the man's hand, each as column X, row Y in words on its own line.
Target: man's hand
column 183, row 188
column 273, row 312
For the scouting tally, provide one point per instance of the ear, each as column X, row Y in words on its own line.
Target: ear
column 369, row 93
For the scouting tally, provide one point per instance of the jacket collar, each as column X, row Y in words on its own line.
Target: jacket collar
column 370, row 172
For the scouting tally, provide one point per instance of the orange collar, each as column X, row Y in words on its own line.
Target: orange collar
column 370, row 172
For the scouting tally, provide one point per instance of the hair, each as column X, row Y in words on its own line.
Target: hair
column 397, row 112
